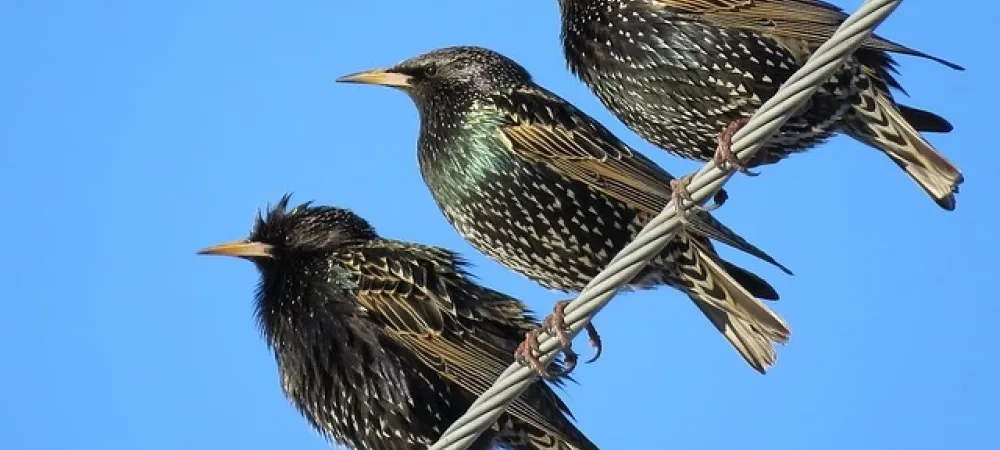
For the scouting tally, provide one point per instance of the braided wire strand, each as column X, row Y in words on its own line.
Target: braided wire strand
column 484, row 412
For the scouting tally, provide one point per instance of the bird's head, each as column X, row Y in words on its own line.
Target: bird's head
column 284, row 234
column 463, row 70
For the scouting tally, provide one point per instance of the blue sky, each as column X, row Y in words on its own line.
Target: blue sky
column 135, row 133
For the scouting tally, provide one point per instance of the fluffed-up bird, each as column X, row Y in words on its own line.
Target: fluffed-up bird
column 382, row 344
column 687, row 74
column 544, row 189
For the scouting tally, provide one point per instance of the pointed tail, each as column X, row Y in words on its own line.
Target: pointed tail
column 877, row 121
column 731, row 305
column 518, row 434
column 541, row 440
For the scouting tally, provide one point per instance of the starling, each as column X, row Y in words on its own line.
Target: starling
column 686, row 74
column 547, row 191
column 382, row 344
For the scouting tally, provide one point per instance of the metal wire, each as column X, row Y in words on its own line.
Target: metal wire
column 651, row 240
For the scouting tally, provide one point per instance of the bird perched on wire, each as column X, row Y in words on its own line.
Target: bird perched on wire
column 541, row 187
column 382, row 344
column 687, row 74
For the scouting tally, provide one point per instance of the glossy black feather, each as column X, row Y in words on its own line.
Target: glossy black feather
column 541, row 187
column 926, row 121
column 678, row 72
column 382, row 344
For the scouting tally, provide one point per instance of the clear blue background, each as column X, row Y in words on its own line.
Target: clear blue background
column 135, row 133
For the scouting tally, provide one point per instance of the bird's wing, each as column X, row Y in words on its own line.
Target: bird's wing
column 405, row 291
column 805, row 19
column 474, row 363
column 422, row 296
column 462, row 331
column 543, row 128
column 810, row 20
column 474, row 359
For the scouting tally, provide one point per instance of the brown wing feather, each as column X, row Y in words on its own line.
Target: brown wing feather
column 612, row 173
column 809, row 20
column 423, row 305
column 405, row 293
column 475, row 364
column 558, row 138
column 804, row 19
column 555, row 134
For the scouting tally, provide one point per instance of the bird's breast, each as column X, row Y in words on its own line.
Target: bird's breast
column 363, row 395
column 554, row 230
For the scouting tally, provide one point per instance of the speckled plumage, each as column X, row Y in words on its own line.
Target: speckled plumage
column 678, row 72
column 544, row 189
column 382, row 344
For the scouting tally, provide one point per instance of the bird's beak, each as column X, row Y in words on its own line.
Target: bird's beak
column 381, row 77
column 241, row 248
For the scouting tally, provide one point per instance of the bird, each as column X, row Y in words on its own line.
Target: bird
column 381, row 344
column 547, row 191
column 685, row 75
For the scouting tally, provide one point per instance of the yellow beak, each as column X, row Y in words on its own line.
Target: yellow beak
column 241, row 248
column 381, row 77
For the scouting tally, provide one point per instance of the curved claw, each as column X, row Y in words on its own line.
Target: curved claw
column 595, row 341
column 569, row 363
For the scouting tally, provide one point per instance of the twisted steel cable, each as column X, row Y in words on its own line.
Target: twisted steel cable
column 651, row 240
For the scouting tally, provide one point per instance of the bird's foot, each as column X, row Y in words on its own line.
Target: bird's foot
column 529, row 351
column 724, row 156
column 557, row 323
column 679, row 193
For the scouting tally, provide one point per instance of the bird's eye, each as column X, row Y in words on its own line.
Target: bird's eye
column 430, row 70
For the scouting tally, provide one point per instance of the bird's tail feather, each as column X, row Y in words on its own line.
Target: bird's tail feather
column 749, row 280
column 535, row 418
column 706, row 225
column 744, row 320
column 879, row 43
column 878, row 122
column 527, row 437
column 547, row 441
column 556, row 431
column 925, row 121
